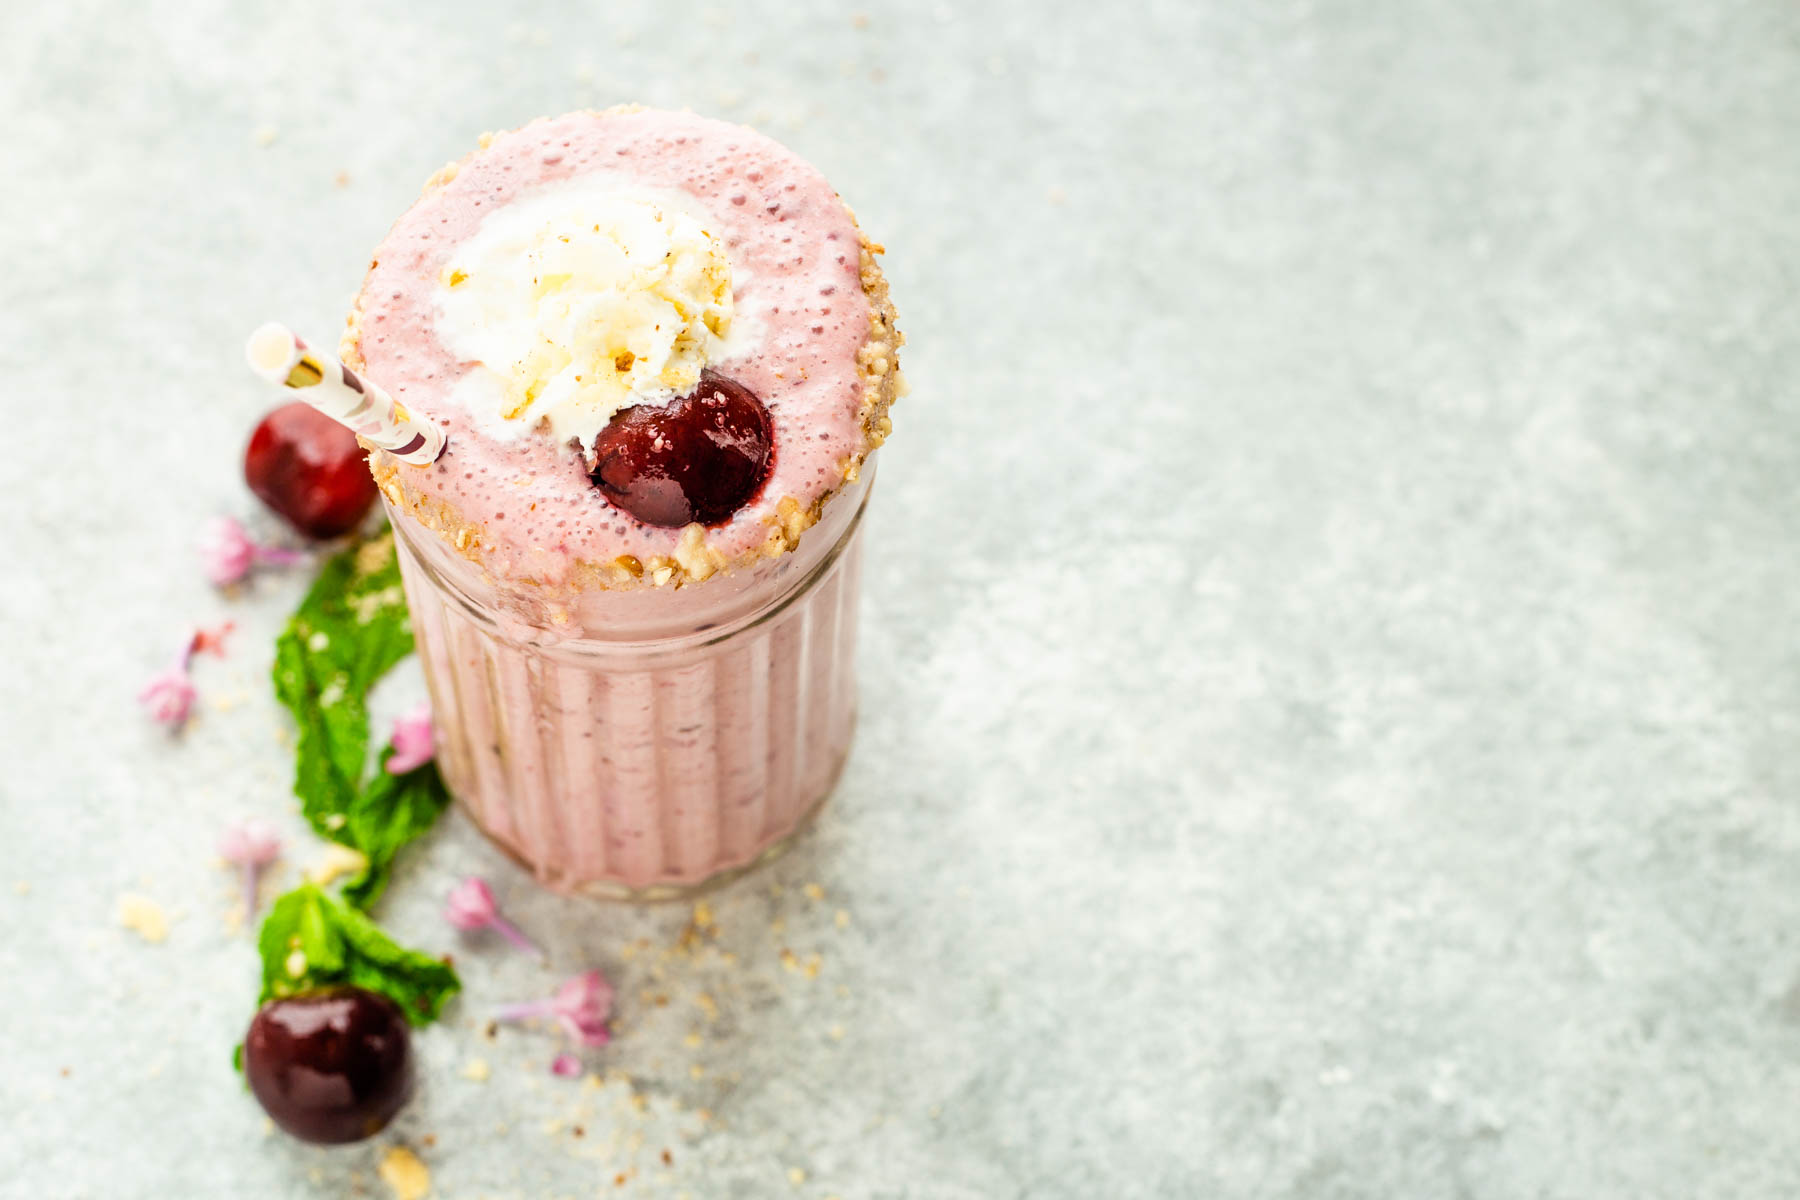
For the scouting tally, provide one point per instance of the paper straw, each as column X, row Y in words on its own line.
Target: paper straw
column 278, row 355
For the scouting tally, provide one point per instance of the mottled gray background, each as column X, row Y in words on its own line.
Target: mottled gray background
column 1331, row 719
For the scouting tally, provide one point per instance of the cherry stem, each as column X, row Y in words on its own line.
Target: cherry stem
column 511, row 933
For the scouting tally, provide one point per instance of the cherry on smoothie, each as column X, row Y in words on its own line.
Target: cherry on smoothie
column 310, row 470
column 699, row 458
column 330, row 1066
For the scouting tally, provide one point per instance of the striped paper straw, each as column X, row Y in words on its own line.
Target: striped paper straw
column 278, row 355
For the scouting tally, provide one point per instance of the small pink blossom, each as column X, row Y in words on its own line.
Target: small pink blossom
column 579, row 1007
column 471, row 906
column 227, row 552
column 412, row 740
column 565, row 1065
column 251, row 846
column 169, row 696
column 211, row 641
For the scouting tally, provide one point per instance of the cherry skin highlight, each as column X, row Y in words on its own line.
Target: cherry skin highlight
column 310, row 470
column 698, row 458
column 330, row 1066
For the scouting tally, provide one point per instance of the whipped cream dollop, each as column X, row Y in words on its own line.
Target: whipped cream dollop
column 581, row 301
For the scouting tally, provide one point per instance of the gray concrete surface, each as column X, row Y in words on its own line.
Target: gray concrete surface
column 1331, row 714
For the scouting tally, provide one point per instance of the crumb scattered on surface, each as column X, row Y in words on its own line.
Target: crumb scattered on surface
column 337, row 860
column 404, row 1174
column 341, row 179
column 23, row 887
column 842, row 919
column 265, row 135
column 144, row 917
column 796, row 1176
column 477, row 1070
column 814, row 892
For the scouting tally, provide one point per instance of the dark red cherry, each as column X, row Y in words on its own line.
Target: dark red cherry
column 330, row 1066
column 308, row 468
column 699, row 458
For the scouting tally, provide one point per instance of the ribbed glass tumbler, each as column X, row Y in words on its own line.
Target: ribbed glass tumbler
column 684, row 736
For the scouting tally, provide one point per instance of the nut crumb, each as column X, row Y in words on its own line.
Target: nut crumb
column 404, row 1174
column 337, row 860
column 814, row 892
column 842, row 919
column 796, row 1176
column 477, row 1070
column 143, row 916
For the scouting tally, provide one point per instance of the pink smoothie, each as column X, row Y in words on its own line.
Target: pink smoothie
column 630, row 708
column 795, row 251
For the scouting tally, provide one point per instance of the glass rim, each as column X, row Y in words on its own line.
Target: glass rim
column 640, row 649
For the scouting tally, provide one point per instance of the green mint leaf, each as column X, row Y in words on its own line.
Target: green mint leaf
column 348, row 632
column 311, row 940
column 420, row 984
column 390, row 812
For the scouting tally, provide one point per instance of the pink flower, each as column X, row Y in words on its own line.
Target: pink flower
column 412, row 740
column 228, row 553
column 211, row 641
column 580, row 1007
column 471, row 906
column 250, row 846
column 169, row 697
column 566, row 1065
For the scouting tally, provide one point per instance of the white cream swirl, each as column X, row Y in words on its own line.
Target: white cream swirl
column 584, row 301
